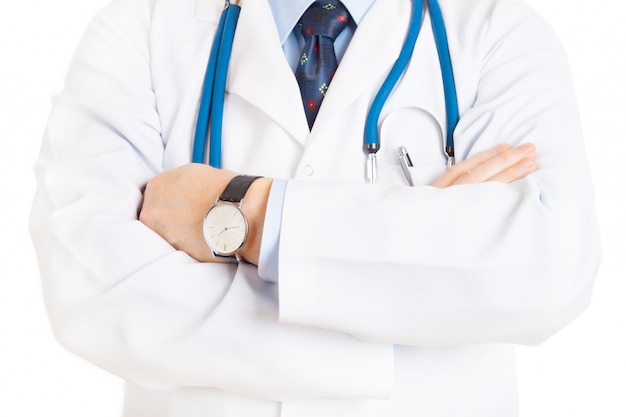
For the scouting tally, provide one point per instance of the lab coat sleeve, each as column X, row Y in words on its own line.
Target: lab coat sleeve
column 120, row 296
column 484, row 263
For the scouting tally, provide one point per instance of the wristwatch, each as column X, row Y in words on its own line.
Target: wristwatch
column 225, row 226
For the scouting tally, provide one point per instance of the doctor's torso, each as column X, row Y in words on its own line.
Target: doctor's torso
column 265, row 132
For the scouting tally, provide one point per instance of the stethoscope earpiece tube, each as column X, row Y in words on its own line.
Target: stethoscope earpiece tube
column 449, row 87
column 204, row 112
column 219, row 88
column 214, row 89
column 371, row 139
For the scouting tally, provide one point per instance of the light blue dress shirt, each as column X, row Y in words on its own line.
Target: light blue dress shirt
column 286, row 15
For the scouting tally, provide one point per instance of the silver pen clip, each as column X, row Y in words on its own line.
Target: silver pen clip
column 405, row 162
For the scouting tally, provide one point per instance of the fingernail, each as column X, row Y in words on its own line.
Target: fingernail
column 527, row 148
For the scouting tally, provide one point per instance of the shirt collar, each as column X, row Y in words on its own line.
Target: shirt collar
column 287, row 13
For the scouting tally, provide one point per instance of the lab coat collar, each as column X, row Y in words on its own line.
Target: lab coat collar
column 287, row 13
column 259, row 72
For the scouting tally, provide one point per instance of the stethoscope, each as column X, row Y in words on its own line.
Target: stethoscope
column 210, row 114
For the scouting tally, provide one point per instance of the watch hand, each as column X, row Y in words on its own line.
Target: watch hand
column 227, row 229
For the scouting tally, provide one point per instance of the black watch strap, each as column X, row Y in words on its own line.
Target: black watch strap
column 237, row 188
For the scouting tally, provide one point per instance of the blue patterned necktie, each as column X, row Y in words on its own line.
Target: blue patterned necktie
column 320, row 25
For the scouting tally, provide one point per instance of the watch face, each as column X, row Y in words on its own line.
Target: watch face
column 225, row 229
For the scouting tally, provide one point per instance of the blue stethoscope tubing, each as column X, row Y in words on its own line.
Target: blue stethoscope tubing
column 214, row 90
column 209, row 122
column 449, row 87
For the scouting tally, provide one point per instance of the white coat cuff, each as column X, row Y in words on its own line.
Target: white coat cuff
column 268, row 256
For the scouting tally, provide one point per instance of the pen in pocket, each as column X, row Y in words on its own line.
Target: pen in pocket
column 405, row 162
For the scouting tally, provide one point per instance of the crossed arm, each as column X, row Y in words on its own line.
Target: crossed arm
column 176, row 201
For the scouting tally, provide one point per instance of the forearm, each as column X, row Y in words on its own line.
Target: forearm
column 121, row 296
column 176, row 202
column 486, row 263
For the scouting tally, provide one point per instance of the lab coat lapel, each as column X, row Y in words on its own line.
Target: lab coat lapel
column 258, row 71
column 373, row 50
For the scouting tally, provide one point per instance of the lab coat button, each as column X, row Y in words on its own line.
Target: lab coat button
column 308, row 170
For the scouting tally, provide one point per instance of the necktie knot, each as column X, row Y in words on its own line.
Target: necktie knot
column 324, row 18
column 320, row 24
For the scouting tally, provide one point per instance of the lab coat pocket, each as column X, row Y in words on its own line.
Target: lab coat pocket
column 392, row 174
column 421, row 134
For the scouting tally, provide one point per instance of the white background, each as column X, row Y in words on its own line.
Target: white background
column 579, row 372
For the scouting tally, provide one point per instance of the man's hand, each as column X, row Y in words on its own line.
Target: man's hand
column 501, row 163
column 176, row 201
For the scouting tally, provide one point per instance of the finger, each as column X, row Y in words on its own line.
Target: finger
column 496, row 165
column 518, row 171
column 455, row 172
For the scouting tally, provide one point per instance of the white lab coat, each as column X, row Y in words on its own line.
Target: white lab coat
column 454, row 277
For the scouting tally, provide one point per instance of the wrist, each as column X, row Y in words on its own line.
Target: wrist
column 254, row 207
